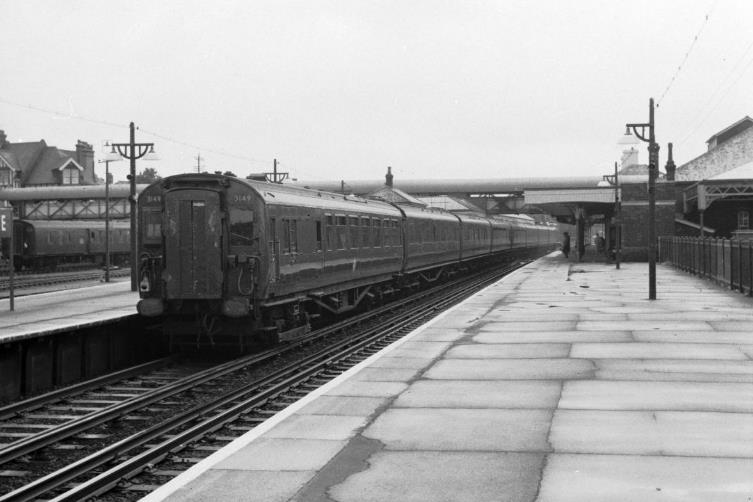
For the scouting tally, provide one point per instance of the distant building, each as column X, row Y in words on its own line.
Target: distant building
column 716, row 193
column 32, row 164
column 729, row 148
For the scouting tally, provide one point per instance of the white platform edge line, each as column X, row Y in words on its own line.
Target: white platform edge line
column 200, row 468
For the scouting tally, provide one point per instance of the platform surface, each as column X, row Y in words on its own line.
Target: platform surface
column 562, row 382
column 47, row 313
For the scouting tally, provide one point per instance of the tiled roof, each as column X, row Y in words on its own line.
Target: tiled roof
column 42, row 172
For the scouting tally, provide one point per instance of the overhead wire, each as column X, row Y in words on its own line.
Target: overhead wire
column 687, row 54
column 59, row 114
column 713, row 102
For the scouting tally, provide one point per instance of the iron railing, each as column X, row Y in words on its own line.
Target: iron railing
column 726, row 261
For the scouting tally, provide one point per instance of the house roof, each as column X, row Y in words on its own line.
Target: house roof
column 38, row 161
column 735, row 128
column 50, row 159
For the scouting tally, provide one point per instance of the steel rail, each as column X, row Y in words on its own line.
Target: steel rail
column 48, row 437
column 33, row 403
column 278, row 383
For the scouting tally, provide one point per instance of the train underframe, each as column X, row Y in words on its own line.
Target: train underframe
column 66, row 263
column 197, row 324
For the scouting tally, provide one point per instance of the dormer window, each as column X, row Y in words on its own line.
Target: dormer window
column 6, row 176
column 70, row 175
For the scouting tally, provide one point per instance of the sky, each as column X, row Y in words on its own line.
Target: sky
column 341, row 89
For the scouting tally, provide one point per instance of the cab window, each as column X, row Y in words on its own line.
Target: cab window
column 241, row 227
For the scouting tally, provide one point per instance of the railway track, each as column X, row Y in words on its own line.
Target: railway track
column 144, row 460
column 26, row 281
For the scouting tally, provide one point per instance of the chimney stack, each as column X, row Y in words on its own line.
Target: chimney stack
column 3, row 138
column 388, row 177
column 670, row 167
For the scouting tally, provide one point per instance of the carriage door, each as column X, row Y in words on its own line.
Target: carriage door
column 193, row 244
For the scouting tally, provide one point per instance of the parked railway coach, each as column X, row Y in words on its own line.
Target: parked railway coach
column 64, row 244
column 224, row 253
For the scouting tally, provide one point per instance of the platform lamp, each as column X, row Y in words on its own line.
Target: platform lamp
column 111, row 156
column 645, row 132
column 133, row 151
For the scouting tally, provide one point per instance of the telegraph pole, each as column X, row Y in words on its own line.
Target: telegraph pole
column 198, row 158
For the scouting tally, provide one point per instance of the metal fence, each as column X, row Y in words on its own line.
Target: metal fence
column 728, row 262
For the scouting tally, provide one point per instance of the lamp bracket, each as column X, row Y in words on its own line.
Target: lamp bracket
column 640, row 135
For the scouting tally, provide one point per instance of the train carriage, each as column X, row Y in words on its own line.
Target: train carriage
column 222, row 255
column 223, row 245
column 432, row 239
column 63, row 244
column 476, row 234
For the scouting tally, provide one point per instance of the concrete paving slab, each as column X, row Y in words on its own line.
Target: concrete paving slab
column 597, row 316
column 693, row 316
column 439, row 335
column 344, row 405
column 385, row 374
column 331, row 427
column 451, row 322
column 368, row 389
column 443, row 429
column 480, row 394
column 511, row 369
column 443, row 477
column 416, row 363
column 224, row 485
column 732, row 326
column 656, row 351
column 733, row 337
column 535, row 325
column 621, row 478
column 699, row 434
column 700, row 370
column 426, row 350
column 267, row 454
column 518, row 316
column 677, row 396
column 509, row 351
column 497, row 334
column 645, row 325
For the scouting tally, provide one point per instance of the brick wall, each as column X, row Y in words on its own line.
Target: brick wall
column 635, row 217
column 729, row 155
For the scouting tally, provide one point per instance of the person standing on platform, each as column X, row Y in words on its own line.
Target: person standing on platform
column 566, row 244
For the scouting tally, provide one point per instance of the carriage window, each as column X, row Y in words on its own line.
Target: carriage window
column 241, row 227
column 318, row 235
column 743, row 220
column 289, row 236
column 354, row 231
column 293, row 236
column 377, row 226
column 152, row 226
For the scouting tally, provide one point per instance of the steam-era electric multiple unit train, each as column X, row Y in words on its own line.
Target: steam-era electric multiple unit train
column 237, row 255
column 54, row 245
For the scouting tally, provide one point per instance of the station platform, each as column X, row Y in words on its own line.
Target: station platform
column 48, row 313
column 561, row 382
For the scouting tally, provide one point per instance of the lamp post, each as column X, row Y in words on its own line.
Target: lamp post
column 618, row 218
column 133, row 151
column 111, row 156
column 653, row 163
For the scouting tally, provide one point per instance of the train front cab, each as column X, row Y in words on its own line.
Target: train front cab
column 184, row 251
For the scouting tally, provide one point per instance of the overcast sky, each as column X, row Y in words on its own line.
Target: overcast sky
column 342, row 89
